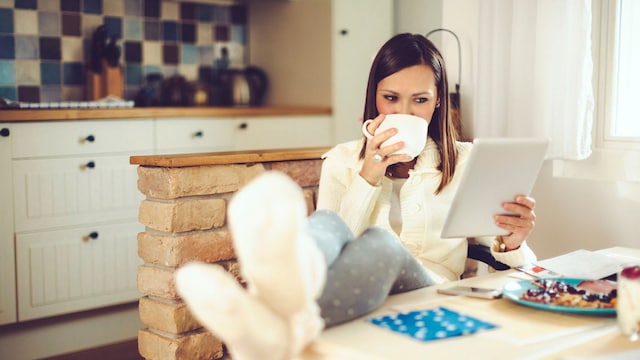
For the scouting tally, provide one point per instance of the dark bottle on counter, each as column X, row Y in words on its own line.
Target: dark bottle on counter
column 218, row 91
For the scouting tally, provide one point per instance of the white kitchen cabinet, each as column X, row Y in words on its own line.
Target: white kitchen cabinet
column 74, row 214
column 7, row 250
column 192, row 135
column 360, row 28
column 278, row 132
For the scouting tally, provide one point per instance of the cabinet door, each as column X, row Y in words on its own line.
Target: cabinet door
column 360, row 27
column 74, row 191
column 7, row 261
column 76, row 269
column 282, row 132
column 193, row 135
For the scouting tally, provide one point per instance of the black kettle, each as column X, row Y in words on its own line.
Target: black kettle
column 247, row 87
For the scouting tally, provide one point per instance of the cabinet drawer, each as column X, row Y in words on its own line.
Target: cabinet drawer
column 81, row 137
column 67, row 270
column 74, row 191
column 282, row 132
column 194, row 135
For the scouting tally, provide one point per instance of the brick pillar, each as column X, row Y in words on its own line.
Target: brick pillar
column 185, row 217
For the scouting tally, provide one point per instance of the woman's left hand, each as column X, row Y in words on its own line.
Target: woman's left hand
column 519, row 222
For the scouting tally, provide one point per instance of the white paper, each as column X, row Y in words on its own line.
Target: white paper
column 582, row 264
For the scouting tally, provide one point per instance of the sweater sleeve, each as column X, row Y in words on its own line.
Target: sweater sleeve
column 514, row 258
column 345, row 192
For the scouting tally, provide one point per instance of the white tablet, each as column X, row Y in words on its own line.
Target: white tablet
column 497, row 170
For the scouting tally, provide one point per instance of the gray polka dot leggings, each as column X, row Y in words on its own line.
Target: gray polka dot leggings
column 362, row 271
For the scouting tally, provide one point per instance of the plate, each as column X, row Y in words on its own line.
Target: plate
column 513, row 290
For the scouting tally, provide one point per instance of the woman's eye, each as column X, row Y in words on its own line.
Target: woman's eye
column 422, row 100
column 391, row 97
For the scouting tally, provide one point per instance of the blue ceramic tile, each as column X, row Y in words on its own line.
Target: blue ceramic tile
column 73, row 73
column 26, row 47
column 6, row 21
column 238, row 34
column 49, row 23
column 51, row 93
column 114, row 25
column 133, row 7
column 133, row 75
column 70, row 5
column 152, row 8
column 92, row 6
column 9, row 92
column 50, row 48
column 221, row 14
column 132, row 28
column 7, row 72
column 50, row 73
column 26, row 4
column 170, row 31
column 151, row 69
column 7, row 47
column 189, row 54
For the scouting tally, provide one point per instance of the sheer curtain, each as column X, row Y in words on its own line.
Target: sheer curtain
column 534, row 73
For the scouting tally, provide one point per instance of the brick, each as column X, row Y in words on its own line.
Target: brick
column 173, row 183
column 178, row 249
column 304, row 172
column 199, row 345
column 157, row 281
column 169, row 316
column 183, row 215
column 310, row 199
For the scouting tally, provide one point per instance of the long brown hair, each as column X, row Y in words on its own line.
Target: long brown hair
column 403, row 51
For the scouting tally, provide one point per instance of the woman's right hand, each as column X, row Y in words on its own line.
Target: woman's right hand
column 376, row 157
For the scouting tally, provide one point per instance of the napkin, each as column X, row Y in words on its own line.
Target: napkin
column 432, row 324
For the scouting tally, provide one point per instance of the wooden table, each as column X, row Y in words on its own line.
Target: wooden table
column 522, row 333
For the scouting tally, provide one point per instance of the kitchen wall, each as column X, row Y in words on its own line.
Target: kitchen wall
column 45, row 44
column 572, row 212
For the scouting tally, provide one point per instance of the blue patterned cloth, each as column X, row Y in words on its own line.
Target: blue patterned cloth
column 432, row 324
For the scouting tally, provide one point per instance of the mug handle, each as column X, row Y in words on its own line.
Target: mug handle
column 365, row 131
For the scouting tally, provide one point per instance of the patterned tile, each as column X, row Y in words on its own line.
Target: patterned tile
column 133, row 8
column 152, row 53
column 152, row 30
column 73, row 73
column 238, row 14
column 92, row 6
column 7, row 72
column 29, row 93
column 9, row 92
column 89, row 24
column 7, row 47
column 188, row 33
column 113, row 7
column 49, row 5
column 6, row 21
column 221, row 33
column 27, row 47
column 238, row 34
column 50, row 73
column 151, row 69
column 133, row 52
column 205, row 55
column 170, row 10
column 188, row 54
column 190, row 72
column 132, row 28
column 170, row 54
column 170, row 31
column 133, row 75
column 187, row 11
column 25, row 22
column 71, row 24
column 152, row 9
column 204, row 34
column 28, row 72
column 72, row 49
column 49, row 23
column 6, row 3
column 51, row 93
column 26, row 4
column 114, row 25
column 221, row 14
column 204, row 12
column 70, row 5
column 50, row 48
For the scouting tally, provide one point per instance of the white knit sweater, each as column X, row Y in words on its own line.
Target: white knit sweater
column 423, row 212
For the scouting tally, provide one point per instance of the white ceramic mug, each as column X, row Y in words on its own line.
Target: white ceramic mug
column 411, row 129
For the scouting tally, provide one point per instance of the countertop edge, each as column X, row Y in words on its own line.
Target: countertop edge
column 228, row 157
column 25, row 115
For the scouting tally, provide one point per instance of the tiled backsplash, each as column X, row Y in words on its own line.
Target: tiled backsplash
column 45, row 44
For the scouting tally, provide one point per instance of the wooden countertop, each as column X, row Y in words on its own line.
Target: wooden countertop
column 228, row 157
column 21, row 115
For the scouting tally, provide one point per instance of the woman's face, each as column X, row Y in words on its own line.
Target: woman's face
column 411, row 90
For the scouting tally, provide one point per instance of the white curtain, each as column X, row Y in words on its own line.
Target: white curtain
column 534, row 73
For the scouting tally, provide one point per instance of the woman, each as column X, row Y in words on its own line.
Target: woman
column 368, row 185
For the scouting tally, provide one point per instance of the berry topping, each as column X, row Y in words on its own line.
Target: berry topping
column 631, row 272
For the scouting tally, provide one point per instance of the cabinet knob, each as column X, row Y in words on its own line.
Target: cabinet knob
column 93, row 235
column 89, row 165
column 4, row 132
column 90, row 138
column 198, row 134
column 344, row 32
column 243, row 126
